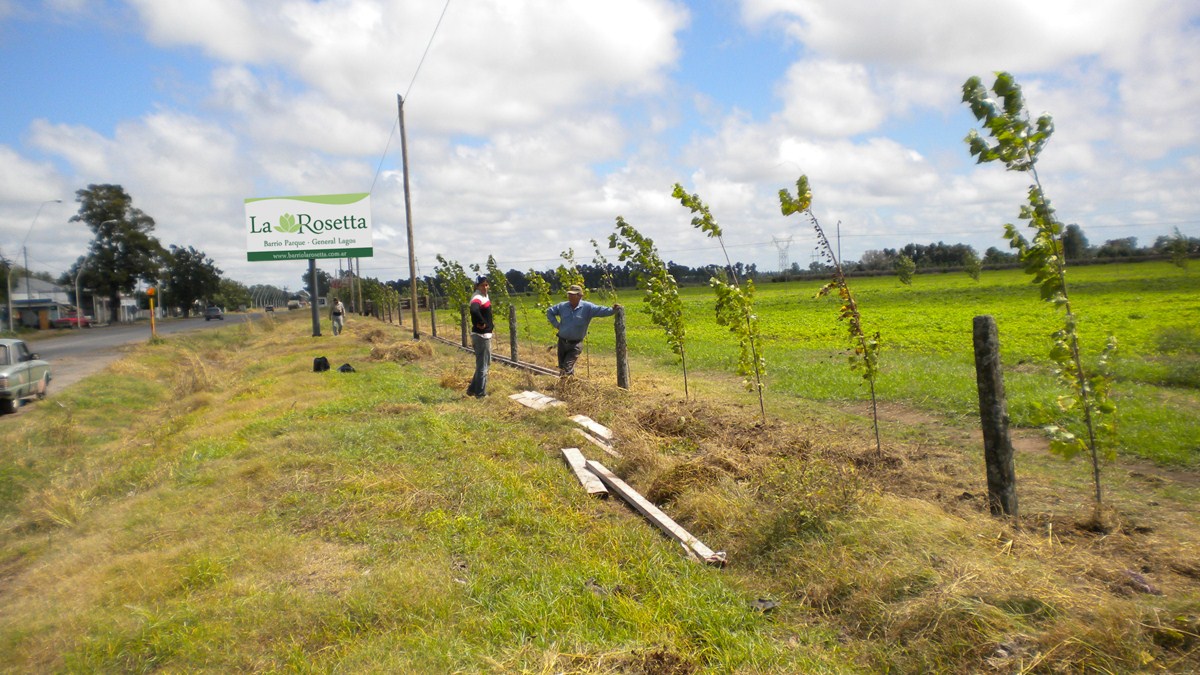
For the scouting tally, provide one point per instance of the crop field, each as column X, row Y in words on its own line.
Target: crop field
column 1153, row 309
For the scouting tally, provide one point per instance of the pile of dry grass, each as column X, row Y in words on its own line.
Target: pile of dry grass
column 401, row 352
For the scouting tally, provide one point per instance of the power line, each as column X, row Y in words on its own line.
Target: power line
column 396, row 122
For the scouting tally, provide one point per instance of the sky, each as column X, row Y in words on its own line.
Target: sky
column 531, row 125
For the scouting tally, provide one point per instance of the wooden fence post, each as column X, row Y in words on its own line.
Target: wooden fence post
column 621, row 348
column 512, row 331
column 462, row 313
column 993, row 415
column 432, row 314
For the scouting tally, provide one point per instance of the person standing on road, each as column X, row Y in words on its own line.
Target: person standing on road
column 571, row 319
column 336, row 313
column 481, row 337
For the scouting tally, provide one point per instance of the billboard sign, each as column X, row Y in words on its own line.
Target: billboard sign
column 319, row 226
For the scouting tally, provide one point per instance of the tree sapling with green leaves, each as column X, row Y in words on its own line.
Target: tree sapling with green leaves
column 455, row 283
column 1018, row 143
column 660, row 291
column 865, row 358
column 905, row 269
column 735, row 304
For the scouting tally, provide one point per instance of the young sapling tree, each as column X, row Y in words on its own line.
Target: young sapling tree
column 735, row 303
column 456, row 285
column 1018, row 142
column 905, row 269
column 660, row 291
column 608, row 288
column 865, row 358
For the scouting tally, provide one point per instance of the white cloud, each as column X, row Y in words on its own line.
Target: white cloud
column 825, row 98
column 953, row 37
column 230, row 30
column 83, row 148
column 22, row 179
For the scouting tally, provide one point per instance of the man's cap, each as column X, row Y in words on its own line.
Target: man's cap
column 480, row 279
column 574, row 289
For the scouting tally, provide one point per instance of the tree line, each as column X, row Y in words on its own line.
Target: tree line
column 942, row 256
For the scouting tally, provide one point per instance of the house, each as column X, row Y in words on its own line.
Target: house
column 35, row 302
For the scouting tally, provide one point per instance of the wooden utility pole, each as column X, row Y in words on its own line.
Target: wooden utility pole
column 412, row 254
column 993, row 414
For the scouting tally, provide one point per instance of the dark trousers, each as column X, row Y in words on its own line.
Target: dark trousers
column 568, row 354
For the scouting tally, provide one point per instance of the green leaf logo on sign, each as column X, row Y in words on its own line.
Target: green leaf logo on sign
column 287, row 224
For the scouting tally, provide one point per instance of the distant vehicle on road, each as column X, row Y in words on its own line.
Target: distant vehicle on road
column 22, row 375
column 293, row 304
column 271, row 308
column 214, row 313
column 71, row 321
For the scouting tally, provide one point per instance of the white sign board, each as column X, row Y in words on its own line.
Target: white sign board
column 320, row 226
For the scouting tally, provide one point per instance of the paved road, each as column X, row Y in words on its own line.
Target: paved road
column 74, row 355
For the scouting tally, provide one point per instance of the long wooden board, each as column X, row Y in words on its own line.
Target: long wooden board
column 535, row 400
column 594, row 427
column 598, row 443
column 693, row 545
column 578, row 464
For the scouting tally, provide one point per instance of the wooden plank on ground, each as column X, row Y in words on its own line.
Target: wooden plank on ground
column 535, row 400
column 693, row 545
column 599, row 443
column 578, row 464
column 594, row 427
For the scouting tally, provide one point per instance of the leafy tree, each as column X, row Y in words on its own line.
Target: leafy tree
column 1075, row 245
column 735, row 304
column 905, row 269
column 972, row 265
column 660, row 291
column 454, row 283
column 1119, row 248
column 123, row 251
column 1018, row 143
column 878, row 260
column 866, row 348
column 517, row 281
column 231, row 294
column 994, row 256
column 324, row 282
column 1179, row 248
column 191, row 277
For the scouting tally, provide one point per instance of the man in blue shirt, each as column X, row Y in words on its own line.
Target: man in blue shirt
column 571, row 320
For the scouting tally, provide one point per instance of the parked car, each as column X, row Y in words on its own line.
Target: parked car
column 71, row 321
column 211, row 313
column 22, row 375
column 271, row 308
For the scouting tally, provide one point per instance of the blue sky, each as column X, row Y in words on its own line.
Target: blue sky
column 534, row 123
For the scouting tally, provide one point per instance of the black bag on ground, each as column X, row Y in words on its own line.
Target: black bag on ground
column 345, row 368
column 320, row 364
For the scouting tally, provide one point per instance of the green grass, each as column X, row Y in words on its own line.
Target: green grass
column 1153, row 309
column 249, row 515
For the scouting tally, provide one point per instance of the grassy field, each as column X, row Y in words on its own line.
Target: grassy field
column 1153, row 309
column 210, row 504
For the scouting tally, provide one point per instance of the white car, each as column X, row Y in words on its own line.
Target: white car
column 22, row 375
